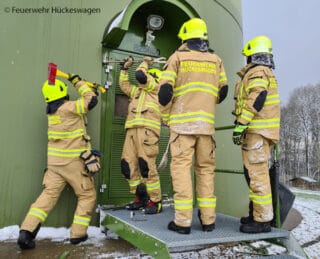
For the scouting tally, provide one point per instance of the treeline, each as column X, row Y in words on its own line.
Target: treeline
column 300, row 134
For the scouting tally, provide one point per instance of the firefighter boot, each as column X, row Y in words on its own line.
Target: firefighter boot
column 248, row 219
column 25, row 240
column 255, row 227
column 153, row 207
column 206, row 228
column 181, row 230
column 77, row 240
column 141, row 199
column 35, row 232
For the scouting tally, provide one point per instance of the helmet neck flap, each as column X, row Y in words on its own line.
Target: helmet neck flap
column 263, row 59
column 198, row 45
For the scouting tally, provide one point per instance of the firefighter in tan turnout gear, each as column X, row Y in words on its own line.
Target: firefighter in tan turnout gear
column 257, row 111
column 140, row 150
column 193, row 82
column 70, row 161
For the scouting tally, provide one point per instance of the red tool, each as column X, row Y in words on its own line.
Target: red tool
column 53, row 71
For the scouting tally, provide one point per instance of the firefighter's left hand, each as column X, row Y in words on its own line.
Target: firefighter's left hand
column 238, row 133
column 148, row 60
column 74, row 79
column 126, row 63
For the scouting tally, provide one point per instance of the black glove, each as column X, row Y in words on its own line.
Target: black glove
column 95, row 88
column 91, row 160
column 92, row 166
column 74, row 79
column 126, row 63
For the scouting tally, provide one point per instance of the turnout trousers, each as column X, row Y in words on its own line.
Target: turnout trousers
column 256, row 155
column 138, row 161
column 54, row 181
column 183, row 148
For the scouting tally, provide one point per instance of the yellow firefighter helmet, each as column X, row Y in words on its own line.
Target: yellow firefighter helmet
column 259, row 44
column 194, row 28
column 54, row 92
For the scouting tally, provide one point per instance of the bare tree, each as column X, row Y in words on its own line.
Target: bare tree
column 300, row 133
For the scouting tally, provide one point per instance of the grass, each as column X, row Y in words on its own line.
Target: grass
column 306, row 194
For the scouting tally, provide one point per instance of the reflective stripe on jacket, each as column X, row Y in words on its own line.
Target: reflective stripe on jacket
column 67, row 136
column 254, row 80
column 196, row 78
column 143, row 110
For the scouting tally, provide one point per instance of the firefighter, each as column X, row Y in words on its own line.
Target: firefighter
column 257, row 111
column 193, row 82
column 70, row 161
column 140, row 149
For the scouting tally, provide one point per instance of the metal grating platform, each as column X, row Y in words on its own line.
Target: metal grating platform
column 154, row 227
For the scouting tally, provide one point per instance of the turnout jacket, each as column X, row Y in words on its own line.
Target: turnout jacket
column 143, row 110
column 254, row 80
column 67, row 136
column 196, row 78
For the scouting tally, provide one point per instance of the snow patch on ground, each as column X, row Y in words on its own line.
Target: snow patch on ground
column 310, row 211
column 308, row 232
column 9, row 233
column 55, row 234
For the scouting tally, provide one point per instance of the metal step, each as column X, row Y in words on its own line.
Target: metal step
column 150, row 234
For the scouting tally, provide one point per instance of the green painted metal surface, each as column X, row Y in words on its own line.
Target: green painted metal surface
column 143, row 240
column 28, row 42
column 151, row 235
column 132, row 43
column 73, row 41
column 113, row 118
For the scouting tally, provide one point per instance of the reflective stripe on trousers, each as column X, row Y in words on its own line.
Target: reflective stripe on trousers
column 183, row 148
column 256, row 154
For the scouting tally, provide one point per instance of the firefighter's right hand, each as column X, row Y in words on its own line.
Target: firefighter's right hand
column 91, row 160
column 238, row 133
column 127, row 63
column 148, row 60
column 92, row 166
column 74, row 79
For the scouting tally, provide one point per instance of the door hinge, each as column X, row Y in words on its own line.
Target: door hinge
column 108, row 69
column 103, row 187
column 107, row 84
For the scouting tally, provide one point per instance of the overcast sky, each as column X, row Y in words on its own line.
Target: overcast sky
column 293, row 27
